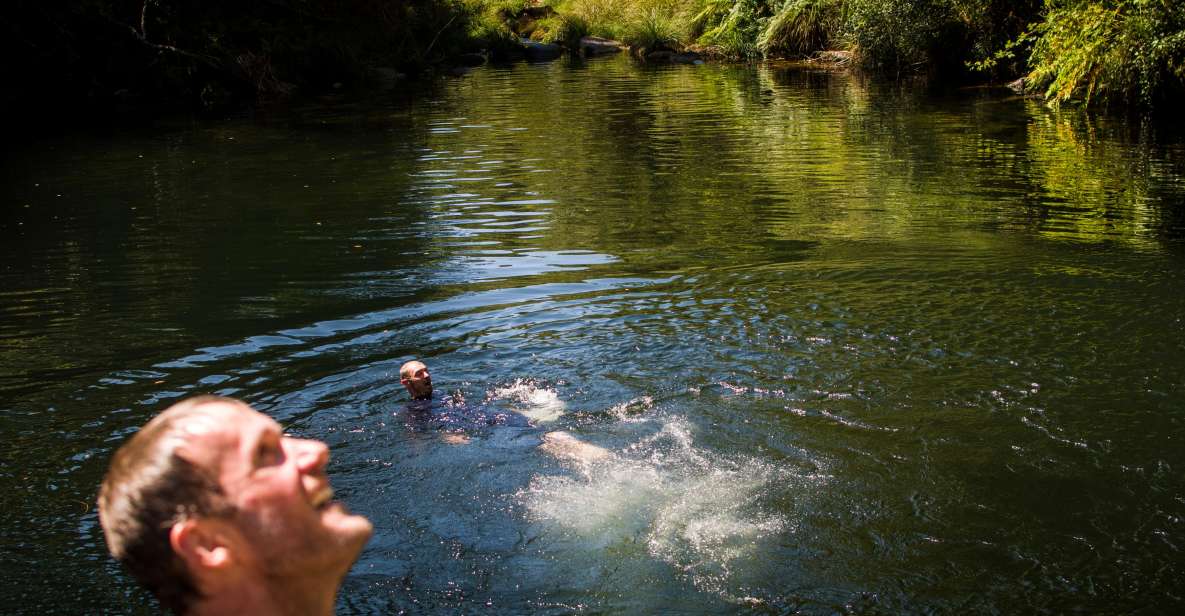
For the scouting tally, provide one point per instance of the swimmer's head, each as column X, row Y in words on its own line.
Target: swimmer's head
column 414, row 376
column 210, row 504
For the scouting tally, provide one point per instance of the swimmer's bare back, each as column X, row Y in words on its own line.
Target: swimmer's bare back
column 564, row 446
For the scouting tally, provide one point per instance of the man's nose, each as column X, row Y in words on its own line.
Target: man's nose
column 311, row 455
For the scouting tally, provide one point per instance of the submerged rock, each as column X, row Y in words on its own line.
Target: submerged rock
column 507, row 53
column 662, row 55
column 541, row 52
column 597, row 46
column 667, row 55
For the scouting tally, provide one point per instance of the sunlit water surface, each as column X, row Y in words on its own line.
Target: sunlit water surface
column 851, row 347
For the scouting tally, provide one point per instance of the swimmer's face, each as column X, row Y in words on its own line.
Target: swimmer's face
column 415, row 377
column 285, row 522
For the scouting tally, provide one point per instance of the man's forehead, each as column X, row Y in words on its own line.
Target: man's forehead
column 218, row 427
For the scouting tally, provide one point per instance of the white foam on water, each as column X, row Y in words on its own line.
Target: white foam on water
column 539, row 404
column 632, row 410
column 699, row 512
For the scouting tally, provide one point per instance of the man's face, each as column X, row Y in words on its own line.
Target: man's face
column 285, row 513
column 416, row 379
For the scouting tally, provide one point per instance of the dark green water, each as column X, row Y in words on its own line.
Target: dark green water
column 854, row 347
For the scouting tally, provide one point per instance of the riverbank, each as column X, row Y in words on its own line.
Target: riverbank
column 99, row 56
column 1106, row 53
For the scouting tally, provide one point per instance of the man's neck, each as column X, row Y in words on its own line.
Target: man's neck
column 269, row 596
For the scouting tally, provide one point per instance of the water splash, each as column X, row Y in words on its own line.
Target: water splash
column 535, row 402
column 632, row 410
column 699, row 512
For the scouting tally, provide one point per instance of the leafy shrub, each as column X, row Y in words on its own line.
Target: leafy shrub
column 899, row 35
column 1129, row 51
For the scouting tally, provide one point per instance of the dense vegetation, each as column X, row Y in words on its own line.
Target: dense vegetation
column 1130, row 51
column 1099, row 51
column 209, row 52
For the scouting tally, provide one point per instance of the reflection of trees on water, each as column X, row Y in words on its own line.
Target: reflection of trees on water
column 1112, row 176
column 661, row 165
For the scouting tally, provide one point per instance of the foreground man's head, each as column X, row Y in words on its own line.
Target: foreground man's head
column 214, row 510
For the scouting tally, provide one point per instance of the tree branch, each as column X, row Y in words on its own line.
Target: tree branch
column 142, row 35
column 428, row 50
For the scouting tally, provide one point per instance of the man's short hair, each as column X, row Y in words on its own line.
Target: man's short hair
column 408, row 369
column 148, row 489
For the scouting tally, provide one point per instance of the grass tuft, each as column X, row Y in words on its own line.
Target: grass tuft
column 654, row 30
column 801, row 27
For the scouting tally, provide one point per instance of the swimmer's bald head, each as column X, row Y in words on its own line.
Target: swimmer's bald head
column 414, row 376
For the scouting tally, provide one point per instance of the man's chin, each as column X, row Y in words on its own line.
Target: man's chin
column 348, row 526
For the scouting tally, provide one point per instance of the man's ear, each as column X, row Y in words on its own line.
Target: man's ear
column 202, row 544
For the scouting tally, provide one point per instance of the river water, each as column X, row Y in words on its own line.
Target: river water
column 851, row 347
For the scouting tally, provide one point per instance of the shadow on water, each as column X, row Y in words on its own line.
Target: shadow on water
column 847, row 346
